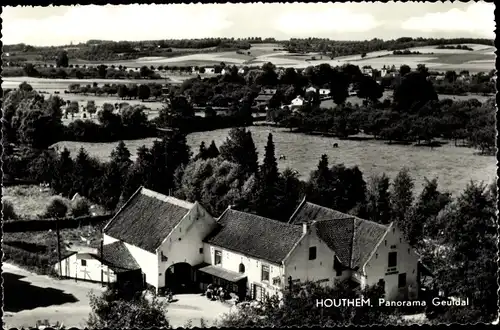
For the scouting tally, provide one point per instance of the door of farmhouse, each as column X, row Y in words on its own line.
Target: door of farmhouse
column 258, row 292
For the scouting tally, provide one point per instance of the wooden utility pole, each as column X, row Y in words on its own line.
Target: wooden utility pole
column 102, row 265
column 58, row 246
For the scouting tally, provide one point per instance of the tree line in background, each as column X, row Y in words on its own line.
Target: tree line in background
column 336, row 48
column 439, row 225
column 102, row 50
column 99, row 50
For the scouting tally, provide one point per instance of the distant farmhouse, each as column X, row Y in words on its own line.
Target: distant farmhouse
column 164, row 242
column 264, row 98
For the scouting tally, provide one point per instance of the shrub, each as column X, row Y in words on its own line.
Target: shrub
column 40, row 263
column 80, row 207
column 8, row 211
column 56, row 209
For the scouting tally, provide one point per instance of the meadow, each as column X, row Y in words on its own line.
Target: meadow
column 453, row 166
column 388, row 95
column 30, row 201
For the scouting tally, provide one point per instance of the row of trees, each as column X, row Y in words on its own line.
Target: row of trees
column 466, row 121
column 83, row 72
column 123, row 91
column 343, row 48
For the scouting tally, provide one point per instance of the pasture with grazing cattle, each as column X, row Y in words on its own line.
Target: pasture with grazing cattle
column 453, row 166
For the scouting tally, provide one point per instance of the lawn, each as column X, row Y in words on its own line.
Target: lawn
column 70, row 237
column 28, row 200
column 453, row 166
column 388, row 95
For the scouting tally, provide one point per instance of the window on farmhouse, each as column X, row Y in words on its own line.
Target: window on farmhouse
column 242, row 268
column 402, row 280
column 393, row 259
column 84, row 263
column 265, row 273
column 312, row 253
column 218, row 257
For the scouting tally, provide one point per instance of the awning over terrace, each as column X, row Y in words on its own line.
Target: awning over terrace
column 222, row 273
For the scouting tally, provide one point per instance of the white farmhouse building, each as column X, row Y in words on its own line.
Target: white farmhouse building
column 112, row 263
column 159, row 232
column 167, row 242
column 369, row 252
column 297, row 103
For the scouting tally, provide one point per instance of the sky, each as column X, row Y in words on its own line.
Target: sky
column 46, row 26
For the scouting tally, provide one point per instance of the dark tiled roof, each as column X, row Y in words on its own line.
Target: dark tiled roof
column 117, row 257
column 147, row 219
column 308, row 211
column 337, row 234
column 353, row 239
column 367, row 234
column 255, row 236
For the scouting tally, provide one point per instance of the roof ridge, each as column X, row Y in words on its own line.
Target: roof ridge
column 262, row 218
column 123, row 207
column 167, row 199
column 328, row 208
column 372, row 222
column 290, row 221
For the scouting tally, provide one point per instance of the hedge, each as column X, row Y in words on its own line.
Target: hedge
column 40, row 263
column 46, row 224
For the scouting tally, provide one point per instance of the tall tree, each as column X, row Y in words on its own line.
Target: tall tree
column 139, row 173
column 62, row 59
column 423, row 216
column 212, row 151
column 62, row 178
column 290, row 190
column 470, row 236
column 379, row 207
column 202, row 152
column 110, row 185
column 121, row 155
column 239, row 148
column 268, row 181
column 402, row 196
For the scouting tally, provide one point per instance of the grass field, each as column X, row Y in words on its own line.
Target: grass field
column 388, row 95
column 28, row 200
column 453, row 166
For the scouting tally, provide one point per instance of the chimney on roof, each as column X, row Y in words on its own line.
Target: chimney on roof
column 305, row 227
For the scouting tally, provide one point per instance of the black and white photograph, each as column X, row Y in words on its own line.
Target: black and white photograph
column 249, row 165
